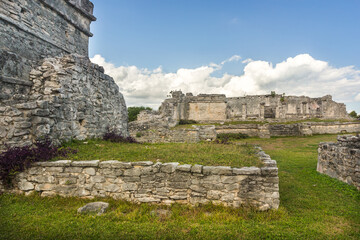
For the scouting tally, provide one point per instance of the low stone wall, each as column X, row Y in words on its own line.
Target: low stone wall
column 164, row 183
column 341, row 160
column 166, row 134
column 296, row 129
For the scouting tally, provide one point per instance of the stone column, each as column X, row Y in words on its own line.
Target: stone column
column 244, row 111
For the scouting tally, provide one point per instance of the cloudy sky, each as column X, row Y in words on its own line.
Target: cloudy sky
column 237, row 48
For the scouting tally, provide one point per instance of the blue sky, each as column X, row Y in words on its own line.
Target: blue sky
column 132, row 39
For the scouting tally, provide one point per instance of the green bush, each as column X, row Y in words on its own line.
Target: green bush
column 184, row 122
column 231, row 136
column 353, row 114
column 134, row 111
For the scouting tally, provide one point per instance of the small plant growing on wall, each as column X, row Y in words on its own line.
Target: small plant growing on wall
column 112, row 136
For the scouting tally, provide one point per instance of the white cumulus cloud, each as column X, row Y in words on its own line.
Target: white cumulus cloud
column 299, row 75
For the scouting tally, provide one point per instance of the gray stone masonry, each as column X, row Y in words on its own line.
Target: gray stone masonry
column 341, row 160
column 69, row 97
column 162, row 183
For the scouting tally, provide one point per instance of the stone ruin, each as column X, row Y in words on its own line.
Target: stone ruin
column 48, row 86
column 217, row 107
column 341, row 160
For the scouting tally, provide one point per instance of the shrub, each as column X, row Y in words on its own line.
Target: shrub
column 134, row 111
column 184, row 122
column 112, row 136
column 17, row 159
column 353, row 114
column 138, row 134
column 231, row 136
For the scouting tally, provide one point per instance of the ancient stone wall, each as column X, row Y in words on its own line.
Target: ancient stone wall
column 67, row 97
column 44, row 91
column 164, row 183
column 295, row 129
column 217, row 108
column 341, row 160
column 32, row 30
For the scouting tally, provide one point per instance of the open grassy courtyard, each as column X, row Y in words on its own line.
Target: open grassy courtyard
column 313, row 206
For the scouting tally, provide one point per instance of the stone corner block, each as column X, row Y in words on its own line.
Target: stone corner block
column 93, row 163
column 272, row 171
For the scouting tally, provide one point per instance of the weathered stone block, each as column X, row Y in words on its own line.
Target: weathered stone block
column 184, row 168
column 169, row 167
column 89, row 171
column 247, row 171
column 94, row 163
column 197, row 168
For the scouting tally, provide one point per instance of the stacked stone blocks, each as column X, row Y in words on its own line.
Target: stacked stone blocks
column 163, row 183
column 341, row 160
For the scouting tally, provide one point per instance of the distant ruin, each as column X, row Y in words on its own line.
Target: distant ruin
column 259, row 116
column 217, row 107
column 48, row 86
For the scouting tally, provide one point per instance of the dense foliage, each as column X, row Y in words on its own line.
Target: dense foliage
column 17, row 159
column 134, row 111
column 353, row 114
column 112, row 136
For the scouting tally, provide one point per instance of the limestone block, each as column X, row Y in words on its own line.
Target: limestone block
column 45, row 187
column 73, row 170
column 133, row 172
column 67, row 181
column 93, row 163
column 97, row 179
column 232, row 179
column 48, row 194
column 112, row 187
column 184, row 168
column 220, row 170
column 129, row 186
column 169, row 167
column 247, row 171
column 43, row 179
column 25, row 186
column 89, row 171
column 269, row 171
column 54, row 169
column 213, row 195
column 142, row 163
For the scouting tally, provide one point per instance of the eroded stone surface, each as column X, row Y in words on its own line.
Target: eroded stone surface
column 164, row 183
column 341, row 160
column 94, row 207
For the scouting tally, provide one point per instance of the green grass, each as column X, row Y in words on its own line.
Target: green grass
column 313, row 206
column 202, row 153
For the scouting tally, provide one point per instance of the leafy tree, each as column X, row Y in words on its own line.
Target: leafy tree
column 134, row 111
column 353, row 114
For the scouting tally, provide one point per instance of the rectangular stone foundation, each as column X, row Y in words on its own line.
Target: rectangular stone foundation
column 162, row 183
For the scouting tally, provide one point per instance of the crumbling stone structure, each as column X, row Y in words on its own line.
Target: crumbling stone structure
column 341, row 160
column 217, row 107
column 163, row 183
column 48, row 86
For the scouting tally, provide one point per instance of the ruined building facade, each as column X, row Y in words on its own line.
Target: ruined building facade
column 48, row 86
column 217, row 107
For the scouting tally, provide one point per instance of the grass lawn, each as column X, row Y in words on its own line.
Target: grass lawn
column 313, row 206
column 202, row 153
